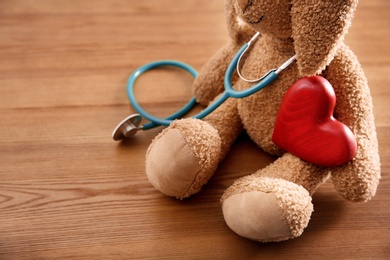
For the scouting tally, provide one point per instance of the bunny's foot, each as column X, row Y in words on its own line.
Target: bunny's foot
column 183, row 157
column 273, row 204
column 266, row 209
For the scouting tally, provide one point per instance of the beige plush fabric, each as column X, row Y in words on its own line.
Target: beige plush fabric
column 179, row 158
column 314, row 30
column 242, row 212
column 358, row 180
column 293, row 200
column 183, row 158
column 318, row 29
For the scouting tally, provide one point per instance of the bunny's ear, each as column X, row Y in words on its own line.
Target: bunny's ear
column 238, row 30
column 318, row 29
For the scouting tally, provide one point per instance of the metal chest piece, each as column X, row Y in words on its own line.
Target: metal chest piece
column 127, row 128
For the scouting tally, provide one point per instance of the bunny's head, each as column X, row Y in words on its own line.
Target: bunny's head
column 317, row 27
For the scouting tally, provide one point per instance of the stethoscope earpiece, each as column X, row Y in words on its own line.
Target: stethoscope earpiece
column 127, row 128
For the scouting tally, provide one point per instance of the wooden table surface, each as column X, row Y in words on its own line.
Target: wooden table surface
column 67, row 191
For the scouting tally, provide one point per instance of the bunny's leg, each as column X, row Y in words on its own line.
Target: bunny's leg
column 184, row 156
column 273, row 204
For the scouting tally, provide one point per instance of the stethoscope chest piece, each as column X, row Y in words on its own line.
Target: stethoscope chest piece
column 127, row 128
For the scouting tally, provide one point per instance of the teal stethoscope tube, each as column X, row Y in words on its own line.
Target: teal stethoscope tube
column 229, row 91
column 155, row 121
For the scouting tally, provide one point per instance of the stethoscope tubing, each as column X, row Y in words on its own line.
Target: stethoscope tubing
column 155, row 121
column 229, row 90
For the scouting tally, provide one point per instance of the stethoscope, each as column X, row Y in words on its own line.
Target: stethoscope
column 130, row 125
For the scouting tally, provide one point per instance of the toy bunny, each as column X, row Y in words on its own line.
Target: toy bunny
column 274, row 203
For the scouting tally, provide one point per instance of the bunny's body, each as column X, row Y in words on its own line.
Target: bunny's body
column 274, row 203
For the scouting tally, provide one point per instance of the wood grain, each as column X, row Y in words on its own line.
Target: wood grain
column 67, row 191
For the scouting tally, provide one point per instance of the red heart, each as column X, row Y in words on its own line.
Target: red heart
column 305, row 125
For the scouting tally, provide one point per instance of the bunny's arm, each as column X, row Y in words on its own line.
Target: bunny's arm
column 209, row 83
column 357, row 180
